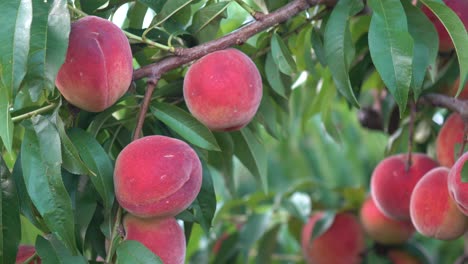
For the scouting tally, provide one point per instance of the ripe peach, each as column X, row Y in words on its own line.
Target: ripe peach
column 459, row 190
column 98, row 66
column 433, row 212
column 163, row 236
column 381, row 228
column 223, row 90
column 392, row 183
column 343, row 242
column 459, row 7
column 454, row 88
column 402, row 257
column 449, row 135
column 24, row 253
column 157, row 176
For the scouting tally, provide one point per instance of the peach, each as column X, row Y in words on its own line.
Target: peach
column 459, row 7
column 343, row 242
column 449, row 136
column 454, row 88
column 163, row 236
column 459, row 190
column 433, row 212
column 24, row 253
column 98, row 66
column 382, row 229
column 392, row 183
column 223, row 90
column 397, row 256
column 157, row 176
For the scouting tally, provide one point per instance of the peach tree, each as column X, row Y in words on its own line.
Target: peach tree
column 236, row 131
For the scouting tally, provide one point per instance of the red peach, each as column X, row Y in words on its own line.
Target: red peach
column 433, row 212
column 392, row 183
column 381, row 228
column 449, row 136
column 343, row 242
column 223, row 90
column 459, row 7
column 98, row 66
column 157, row 176
column 459, row 190
column 163, row 236
column 24, row 253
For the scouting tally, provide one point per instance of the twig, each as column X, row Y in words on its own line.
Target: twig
column 115, row 231
column 38, row 111
column 250, row 10
column 150, row 86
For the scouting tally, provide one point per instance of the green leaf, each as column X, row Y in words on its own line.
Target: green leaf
column 53, row 251
column 391, row 48
column 156, row 5
column 10, row 232
column 457, row 32
column 205, row 203
column 425, row 45
column 6, row 129
column 268, row 245
column 322, row 224
column 252, row 154
column 90, row 6
column 207, row 15
column 48, row 45
column 169, row 9
column 131, row 251
column 41, row 164
column 96, row 158
column 282, row 56
column 316, row 39
column 136, row 15
column 253, row 230
column 339, row 49
column 185, row 125
column 14, row 43
column 273, row 76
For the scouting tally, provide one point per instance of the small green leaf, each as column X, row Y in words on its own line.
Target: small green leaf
column 169, row 9
column 10, row 231
column 205, row 203
column 131, row 251
column 53, row 251
column 282, row 56
column 6, row 129
column 185, row 125
column 253, row 230
column 252, row 154
column 96, row 158
column 457, row 32
column 156, row 5
column 268, row 245
column 316, row 39
column 207, row 15
column 273, row 76
column 391, row 47
column 322, row 224
column 339, row 49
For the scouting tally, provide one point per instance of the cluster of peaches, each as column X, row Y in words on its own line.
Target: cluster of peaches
column 156, row 177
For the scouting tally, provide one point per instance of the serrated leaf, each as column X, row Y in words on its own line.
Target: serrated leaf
column 169, row 9
column 425, row 45
column 10, row 231
column 391, row 48
column 252, row 154
column 282, row 56
column 41, row 164
column 6, row 129
column 53, row 251
column 131, row 251
column 339, row 49
column 185, row 125
column 457, row 32
column 48, row 46
column 96, row 158
column 207, row 15
column 14, row 43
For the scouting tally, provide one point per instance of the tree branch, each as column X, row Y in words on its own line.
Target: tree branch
column 452, row 104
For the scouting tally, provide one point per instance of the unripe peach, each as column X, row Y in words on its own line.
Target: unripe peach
column 459, row 190
column 223, row 90
column 163, row 236
column 382, row 228
column 24, row 253
column 343, row 242
column 449, row 136
column 392, row 183
column 98, row 66
column 433, row 212
column 157, row 176
column 459, row 7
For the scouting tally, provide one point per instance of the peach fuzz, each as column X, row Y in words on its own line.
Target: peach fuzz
column 459, row 7
column 98, row 66
column 397, row 256
column 223, row 90
column 433, row 212
column 381, row 228
column 24, row 253
column 459, row 190
column 343, row 242
column 164, row 237
column 449, row 136
column 157, row 176
column 392, row 183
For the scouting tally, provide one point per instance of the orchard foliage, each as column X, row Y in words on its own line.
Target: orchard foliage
column 324, row 65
